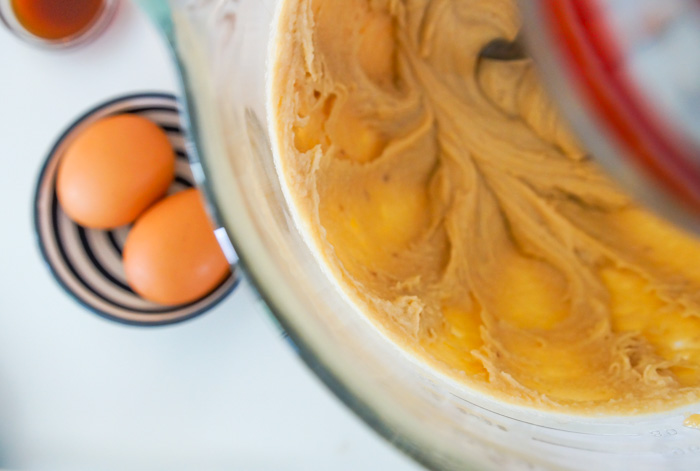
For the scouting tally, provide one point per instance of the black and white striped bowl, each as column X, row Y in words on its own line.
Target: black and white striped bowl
column 88, row 262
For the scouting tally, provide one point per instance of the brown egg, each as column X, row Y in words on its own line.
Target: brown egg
column 171, row 255
column 113, row 170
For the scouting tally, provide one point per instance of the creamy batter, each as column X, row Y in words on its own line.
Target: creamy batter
column 455, row 208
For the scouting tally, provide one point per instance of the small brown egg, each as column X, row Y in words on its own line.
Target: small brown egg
column 171, row 255
column 113, row 170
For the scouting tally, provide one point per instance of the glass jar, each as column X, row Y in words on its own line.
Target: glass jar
column 97, row 23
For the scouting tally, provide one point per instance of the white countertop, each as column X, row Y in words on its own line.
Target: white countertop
column 223, row 391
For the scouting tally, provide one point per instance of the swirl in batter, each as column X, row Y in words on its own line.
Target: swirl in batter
column 453, row 205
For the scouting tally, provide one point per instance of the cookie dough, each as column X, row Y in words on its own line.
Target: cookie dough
column 453, row 205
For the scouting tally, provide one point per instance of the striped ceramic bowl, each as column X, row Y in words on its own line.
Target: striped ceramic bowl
column 88, row 262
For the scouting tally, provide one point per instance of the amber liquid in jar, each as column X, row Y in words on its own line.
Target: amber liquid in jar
column 56, row 19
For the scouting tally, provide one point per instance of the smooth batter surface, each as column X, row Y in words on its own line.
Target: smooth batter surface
column 452, row 205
